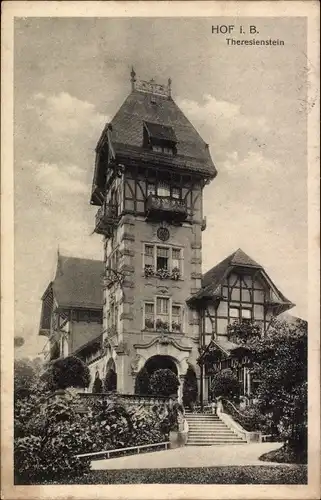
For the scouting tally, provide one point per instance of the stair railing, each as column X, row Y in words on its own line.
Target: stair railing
column 243, row 420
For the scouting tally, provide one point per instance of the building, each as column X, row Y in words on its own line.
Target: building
column 237, row 289
column 158, row 310
column 72, row 309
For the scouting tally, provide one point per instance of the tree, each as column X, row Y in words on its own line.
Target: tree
column 190, row 390
column 241, row 332
column 110, row 382
column 67, row 372
column 142, row 382
column 226, row 384
column 18, row 341
column 25, row 377
column 280, row 366
column 164, row 382
column 98, row 385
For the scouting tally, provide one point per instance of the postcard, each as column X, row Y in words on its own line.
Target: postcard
column 160, row 237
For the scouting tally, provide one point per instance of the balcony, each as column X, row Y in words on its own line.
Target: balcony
column 165, row 208
column 106, row 219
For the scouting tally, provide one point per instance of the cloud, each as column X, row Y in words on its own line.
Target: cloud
column 253, row 168
column 221, row 123
column 65, row 114
column 59, row 178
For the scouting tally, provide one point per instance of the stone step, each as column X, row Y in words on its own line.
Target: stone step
column 209, row 433
column 213, row 438
column 213, row 444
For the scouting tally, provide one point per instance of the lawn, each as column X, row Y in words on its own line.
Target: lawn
column 262, row 474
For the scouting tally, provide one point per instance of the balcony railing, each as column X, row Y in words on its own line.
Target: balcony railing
column 106, row 219
column 166, row 207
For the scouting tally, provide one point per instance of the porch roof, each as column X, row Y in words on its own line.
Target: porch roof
column 223, row 346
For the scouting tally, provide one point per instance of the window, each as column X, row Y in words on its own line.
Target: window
column 168, row 316
column 162, row 306
column 243, row 313
column 176, row 258
column 234, row 312
column 246, row 313
column 176, row 192
column 163, row 189
column 163, row 149
column 157, row 257
column 151, row 189
column 162, row 258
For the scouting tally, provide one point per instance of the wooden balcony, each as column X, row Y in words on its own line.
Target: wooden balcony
column 106, row 219
column 165, row 207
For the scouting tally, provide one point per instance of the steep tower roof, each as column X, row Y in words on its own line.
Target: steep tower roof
column 78, row 282
column 147, row 108
column 141, row 107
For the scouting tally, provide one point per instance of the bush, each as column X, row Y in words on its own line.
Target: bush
column 226, row 384
column 25, row 378
column 67, row 372
column 164, row 382
column 110, row 382
column 50, row 452
column 98, row 385
column 146, row 427
column 190, row 387
column 142, row 382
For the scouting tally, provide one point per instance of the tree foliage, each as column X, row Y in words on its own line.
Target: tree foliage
column 164, row 382
column 190, row 390
column 18, row 341
column 110, row 382
column 67, row 372
column 25, row 377
column 280, row 366
column 142, row 382
column 241, row 332
column 225, row 384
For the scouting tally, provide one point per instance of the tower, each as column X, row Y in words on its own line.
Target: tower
column 151, row 168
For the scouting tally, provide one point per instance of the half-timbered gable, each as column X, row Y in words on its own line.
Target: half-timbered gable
column 236, row 290
column 72, row 305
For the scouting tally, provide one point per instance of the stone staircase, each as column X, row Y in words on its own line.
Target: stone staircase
column 206, row 429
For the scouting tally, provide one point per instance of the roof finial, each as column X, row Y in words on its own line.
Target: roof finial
column 133, row 78
column 169, row 87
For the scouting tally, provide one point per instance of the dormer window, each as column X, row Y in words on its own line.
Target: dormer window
column 159, row 138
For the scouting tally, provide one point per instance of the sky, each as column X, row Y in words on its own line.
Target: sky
column 248, row 102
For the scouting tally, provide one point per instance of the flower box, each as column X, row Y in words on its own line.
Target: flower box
column 162, row 325
column 176, row 327
column 148, row 271
column 149, row 324
column 176, row 274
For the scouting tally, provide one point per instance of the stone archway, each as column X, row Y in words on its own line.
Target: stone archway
column 162, row 362
column 158, row 362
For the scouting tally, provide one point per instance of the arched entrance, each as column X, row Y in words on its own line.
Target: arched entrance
column 160, row 362
column 164, row 384
column 110, row 383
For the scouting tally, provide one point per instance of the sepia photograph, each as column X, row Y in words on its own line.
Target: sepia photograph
column 160, row 242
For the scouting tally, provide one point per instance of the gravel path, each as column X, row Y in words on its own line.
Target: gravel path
column 191, row 456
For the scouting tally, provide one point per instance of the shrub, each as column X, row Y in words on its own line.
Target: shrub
column 225, row 383
column 146, row 427
column 190, row 389
column 98, row 385
column 67, row 372
column 49, row 453
column 142, row 382
column 24, row 378
column 164, row 382
column 110, row 382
